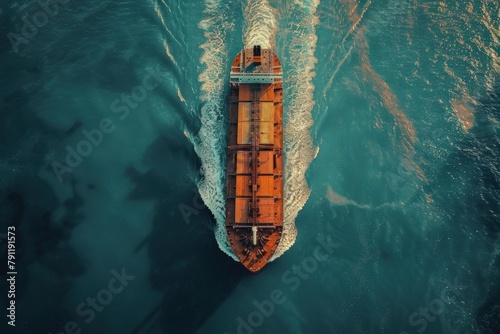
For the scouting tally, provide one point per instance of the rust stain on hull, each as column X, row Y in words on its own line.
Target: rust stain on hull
column 254, row 177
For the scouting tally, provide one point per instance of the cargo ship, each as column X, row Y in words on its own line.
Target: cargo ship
column 254, row 174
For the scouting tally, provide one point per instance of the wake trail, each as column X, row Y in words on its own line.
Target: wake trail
column 299, row 102
column 260, row 25
column 260, row 28
column 210, row 145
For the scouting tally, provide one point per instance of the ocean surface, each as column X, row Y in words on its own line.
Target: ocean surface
column 113, row 124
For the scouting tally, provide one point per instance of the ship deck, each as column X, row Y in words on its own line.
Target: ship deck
column 254, row 203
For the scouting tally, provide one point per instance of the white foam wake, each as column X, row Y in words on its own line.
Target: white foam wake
column 210, row 144
column 260, row 29
column 260, row 24
column 300, row 41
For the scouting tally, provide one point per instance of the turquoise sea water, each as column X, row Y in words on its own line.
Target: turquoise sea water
column 112, row 147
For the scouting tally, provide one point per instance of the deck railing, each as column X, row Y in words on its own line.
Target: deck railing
column 242, row 77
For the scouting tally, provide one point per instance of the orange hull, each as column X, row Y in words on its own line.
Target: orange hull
column 254, row 195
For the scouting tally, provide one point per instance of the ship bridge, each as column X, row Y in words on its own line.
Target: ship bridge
column 256, row 66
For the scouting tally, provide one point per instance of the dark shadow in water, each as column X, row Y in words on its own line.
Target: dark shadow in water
column 488, row 203
column 45, row 262
column 194, row 275
column 475, row 162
